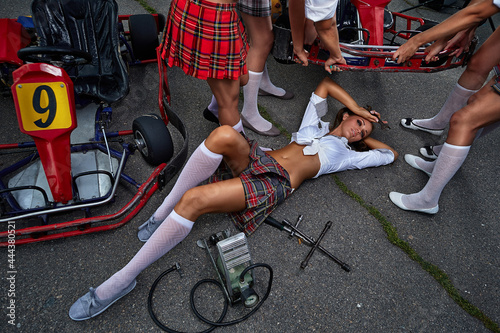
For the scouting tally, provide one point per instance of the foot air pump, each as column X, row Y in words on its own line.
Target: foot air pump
column 233, row 266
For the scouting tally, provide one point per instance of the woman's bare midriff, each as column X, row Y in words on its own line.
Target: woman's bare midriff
column 299, row 166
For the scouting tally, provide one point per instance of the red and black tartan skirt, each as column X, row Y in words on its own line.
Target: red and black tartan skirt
column 205, row 39
column 266, row 185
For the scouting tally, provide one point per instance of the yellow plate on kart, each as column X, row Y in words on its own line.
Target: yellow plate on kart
column 44, row 106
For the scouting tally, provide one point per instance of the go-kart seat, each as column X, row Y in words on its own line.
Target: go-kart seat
column 90, row 26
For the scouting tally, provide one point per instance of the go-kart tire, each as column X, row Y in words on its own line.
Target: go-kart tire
column 436, row 63
column 144, row 36
column 153, row 139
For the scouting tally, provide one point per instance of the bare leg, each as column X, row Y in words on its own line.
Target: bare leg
column 261, row 40
column 471, row 80
column 260, row 33
column 227, row 92
column 225, row 196
column 481, row 63
column 223, row 142
column 483, row 110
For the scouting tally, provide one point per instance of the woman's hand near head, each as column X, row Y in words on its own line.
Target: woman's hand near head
column 371, row 116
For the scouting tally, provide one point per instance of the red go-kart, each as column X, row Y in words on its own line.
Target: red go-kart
column 63, row 90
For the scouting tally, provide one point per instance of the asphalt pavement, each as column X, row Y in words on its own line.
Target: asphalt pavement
column 410, row 272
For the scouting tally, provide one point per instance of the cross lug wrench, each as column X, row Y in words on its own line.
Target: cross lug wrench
column 288, row 227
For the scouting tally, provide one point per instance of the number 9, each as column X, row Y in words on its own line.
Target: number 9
column 51, row 105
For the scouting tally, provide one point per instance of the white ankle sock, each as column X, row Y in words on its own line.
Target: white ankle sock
column 214, row 107
column 239, row 127
column 449, row 161
column 456, row 100
column 268, row 86
column 170, row 233
column 198, row 168
column 250, row 108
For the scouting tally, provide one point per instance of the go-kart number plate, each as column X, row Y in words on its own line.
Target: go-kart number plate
column 44, row 106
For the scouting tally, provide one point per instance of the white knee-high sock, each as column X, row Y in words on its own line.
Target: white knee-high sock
column 456, row 100
column 250, row 108
column 170, row 233
column 198, row 168
column 268, row 86
column 425, row 165
column 449, row 161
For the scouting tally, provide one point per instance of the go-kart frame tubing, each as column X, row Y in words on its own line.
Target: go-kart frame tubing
column 409, row 20
column 19, row 213
column 368, row 58
column 83, row 225
column 27, row 213
column 376, row 58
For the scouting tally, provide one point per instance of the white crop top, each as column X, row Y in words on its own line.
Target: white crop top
column 334, row 152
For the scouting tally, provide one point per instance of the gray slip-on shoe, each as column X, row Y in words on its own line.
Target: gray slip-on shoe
column 286, row 96
column 89, row 305
column 273, row 131
column 147, row 229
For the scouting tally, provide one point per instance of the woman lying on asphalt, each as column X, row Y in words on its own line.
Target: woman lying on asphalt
column 247, row 183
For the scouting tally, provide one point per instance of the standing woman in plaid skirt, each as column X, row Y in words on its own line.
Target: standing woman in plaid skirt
column 206, row 39
column 247, row 183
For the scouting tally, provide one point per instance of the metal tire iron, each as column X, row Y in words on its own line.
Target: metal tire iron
column 285, row 225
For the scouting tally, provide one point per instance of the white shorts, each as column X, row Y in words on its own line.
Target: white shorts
column 320, row 10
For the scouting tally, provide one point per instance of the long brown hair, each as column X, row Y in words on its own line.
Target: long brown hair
column 358, row 145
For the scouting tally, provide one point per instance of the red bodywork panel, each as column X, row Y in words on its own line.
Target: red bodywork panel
column 14, row 38
column 371, row 13
column 45, row 106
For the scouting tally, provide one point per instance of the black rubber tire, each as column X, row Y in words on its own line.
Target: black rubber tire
column 144, row 36
column 156, row 143
column 439, row 62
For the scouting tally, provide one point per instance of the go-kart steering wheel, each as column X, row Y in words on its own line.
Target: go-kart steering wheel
column 51, row 54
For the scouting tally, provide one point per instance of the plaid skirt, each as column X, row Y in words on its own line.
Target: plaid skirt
column 266, row 185
column 205, row 39
column 258, row 8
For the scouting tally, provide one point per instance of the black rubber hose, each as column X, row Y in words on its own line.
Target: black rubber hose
column 229, row 323
column 163, row 326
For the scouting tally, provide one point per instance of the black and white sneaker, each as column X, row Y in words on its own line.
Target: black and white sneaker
column 408, row 123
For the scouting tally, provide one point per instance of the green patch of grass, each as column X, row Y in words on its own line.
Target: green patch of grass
column 146, row 6
column 266, row 116
column 440, row 276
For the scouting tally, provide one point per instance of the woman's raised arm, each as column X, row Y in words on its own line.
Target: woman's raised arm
column 329, row 88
